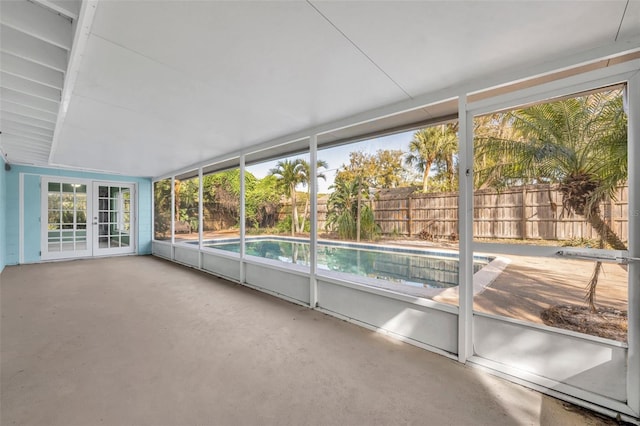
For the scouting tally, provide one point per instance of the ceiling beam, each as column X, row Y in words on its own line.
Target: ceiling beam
column 14, row 143
column 19, row 156
column 38, row 22
column 24, row 143
column 37, row 138
column 19, row 118
column 68, row 8
column 30, row 101
column 23, row 45
column 31, row 71
column 83, row 31
column 25, row 128
column 26, row 111
column 29, row 87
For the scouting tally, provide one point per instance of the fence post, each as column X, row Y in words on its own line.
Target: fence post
column 409, row 215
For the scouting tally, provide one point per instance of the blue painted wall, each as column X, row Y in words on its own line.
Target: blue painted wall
column 3, row 215
column 32, row 213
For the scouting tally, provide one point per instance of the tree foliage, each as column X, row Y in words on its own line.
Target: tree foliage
column 579, row 143
column 162, row 209
column 290, row 174
column 380, row 170
column 262, row 201
column 436, row 145
column 344, row 206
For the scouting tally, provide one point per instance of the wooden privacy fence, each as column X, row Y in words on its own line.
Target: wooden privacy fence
column 526, row 212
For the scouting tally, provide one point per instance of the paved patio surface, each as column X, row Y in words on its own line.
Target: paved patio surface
column 528, row 285
column 139, row 340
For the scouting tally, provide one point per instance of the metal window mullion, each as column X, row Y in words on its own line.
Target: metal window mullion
column 153, row 213
column 75, row 215
column 313, row 211
column 200, row 217
column 633, row 325
column 173, row 210
column 242, row 218
column 200, row 209
column 465, row 223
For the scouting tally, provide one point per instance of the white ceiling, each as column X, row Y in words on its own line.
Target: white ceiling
column 163, row 85
column 35, row 40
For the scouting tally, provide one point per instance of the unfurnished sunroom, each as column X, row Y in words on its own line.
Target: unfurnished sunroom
column 460, row 176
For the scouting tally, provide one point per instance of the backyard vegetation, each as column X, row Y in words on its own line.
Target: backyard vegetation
column 552, row 173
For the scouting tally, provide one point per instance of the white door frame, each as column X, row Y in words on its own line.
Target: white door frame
column 131, row 248
column 92, row 249
column 44, row 215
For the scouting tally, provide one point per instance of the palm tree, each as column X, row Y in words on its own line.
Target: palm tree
column 290, row 173
column 306, row 172
column 341, row 208
column 580, row 144
column 346, row 214
column 431, row 145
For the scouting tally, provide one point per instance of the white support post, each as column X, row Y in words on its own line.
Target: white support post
column 313, row 220
column 200, row 209
column 465, row 230
column 173, row 212
column 200, row 218
column 633, row 329
column 242, row 218
column 153, row 213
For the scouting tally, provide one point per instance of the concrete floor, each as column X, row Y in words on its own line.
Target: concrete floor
column 139, row 340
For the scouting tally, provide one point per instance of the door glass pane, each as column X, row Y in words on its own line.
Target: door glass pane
column 553, row 177
column 54, row 200
column 114, row 217
column 68, row 217
column 54, row 218
column 67, row 206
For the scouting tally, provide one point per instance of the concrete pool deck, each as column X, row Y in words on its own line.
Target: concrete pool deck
column 525, row 287
column 528, row 285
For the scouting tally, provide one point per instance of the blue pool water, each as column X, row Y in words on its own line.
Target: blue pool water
column 419, row 268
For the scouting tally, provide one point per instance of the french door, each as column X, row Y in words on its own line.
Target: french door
column 86, row 218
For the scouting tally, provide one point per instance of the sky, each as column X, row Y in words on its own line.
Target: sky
column 339, row 155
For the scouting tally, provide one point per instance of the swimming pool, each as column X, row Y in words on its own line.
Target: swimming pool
column 412, row 267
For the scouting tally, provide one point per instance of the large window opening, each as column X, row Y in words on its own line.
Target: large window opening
column 162, row 209
column 550, row 216
column 221, row 205
column 277, row 209
column 186, row 198
column 387, row 211
column 550, row 187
